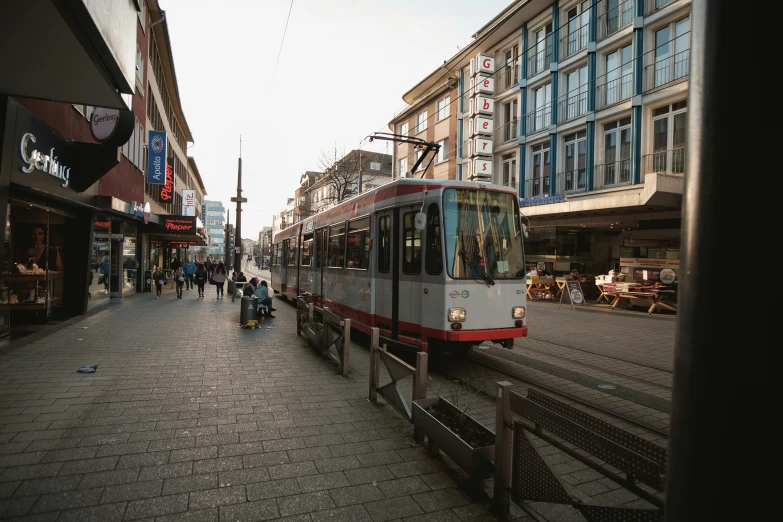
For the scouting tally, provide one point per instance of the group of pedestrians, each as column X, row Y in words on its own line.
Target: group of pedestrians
column 192, row 275
column 261, row 291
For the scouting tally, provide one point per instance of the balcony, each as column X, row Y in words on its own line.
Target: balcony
column 509, row 132
column 611, row 91
column 616, row 18
column 539, row 57
column 666, row 162
column 572, row 105
column 650, row 6
column 538, row 119
column 574, row 41
column 537, row 187
column 612, row 174
column 667, row 70
column 572, row 182
column 508, row 76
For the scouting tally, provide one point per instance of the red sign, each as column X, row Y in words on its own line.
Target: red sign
column 179, row 225
column 167, row 190
column 102, row 224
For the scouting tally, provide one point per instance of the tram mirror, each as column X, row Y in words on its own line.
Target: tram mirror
column 420, row 221
column 524, row 230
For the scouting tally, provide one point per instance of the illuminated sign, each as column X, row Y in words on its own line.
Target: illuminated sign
column 156, row 157
column 179, row 224
column 167, row 190
column 46, row 163
column 102, row 224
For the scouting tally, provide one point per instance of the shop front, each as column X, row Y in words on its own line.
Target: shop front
column 56, row 242
column 172, row 240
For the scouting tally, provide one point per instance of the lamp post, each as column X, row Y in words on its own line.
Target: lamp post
column 238, row 221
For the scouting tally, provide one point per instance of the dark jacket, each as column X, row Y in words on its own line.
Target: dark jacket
column 201, row 277
column 158, row 276
column 249, row 290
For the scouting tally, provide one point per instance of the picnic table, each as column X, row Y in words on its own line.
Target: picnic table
column 656, row 299
column 541, row 287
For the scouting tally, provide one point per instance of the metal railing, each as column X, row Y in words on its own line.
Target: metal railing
column 572, row 181
column 508, row 76
column 650, row 6
column 333, row 339
column 666, row 161
column 572, row 105
column 612, row 174
column 611, row 21
column 613, row 91
column 667, row 70
column 538, row 59
column 509, row 131
column 574, row 41
column 538, row 119
column 537, row 187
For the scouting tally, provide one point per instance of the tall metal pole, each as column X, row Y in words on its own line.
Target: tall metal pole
column 238, row 221
column 722, row 420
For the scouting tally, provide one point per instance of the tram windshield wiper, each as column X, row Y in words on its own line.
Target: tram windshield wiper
column 472, row 264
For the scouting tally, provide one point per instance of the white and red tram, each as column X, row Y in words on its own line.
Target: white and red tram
column 430, row 263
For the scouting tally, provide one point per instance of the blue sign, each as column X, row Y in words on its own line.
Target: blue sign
column 156, row 154
column 545, row 200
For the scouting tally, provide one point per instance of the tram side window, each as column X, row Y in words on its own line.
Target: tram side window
column 336, row 250
column 359, row 244
column 384, row 244
column 276, row 254
column 434, row 260
column 292, row 251
column 320, row 246
column 307, row 250
column 411, row 261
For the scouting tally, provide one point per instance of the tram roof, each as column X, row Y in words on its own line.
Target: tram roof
column 397, row 188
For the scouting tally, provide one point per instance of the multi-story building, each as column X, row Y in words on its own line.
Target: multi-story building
column 215, row 215
column 581, row 106
column 265, row 242
column 303, row 197
column 358, row 171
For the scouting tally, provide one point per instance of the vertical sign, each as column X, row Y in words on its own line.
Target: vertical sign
column 188, row 202
column 167, row 190
column 156, row 158
column 204, row 214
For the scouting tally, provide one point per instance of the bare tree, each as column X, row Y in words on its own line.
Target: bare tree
column 341, row 173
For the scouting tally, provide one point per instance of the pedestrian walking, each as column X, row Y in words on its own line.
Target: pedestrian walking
column 220, row 279
column 179, row 280
column 201, row 279
column 190, row 269
column 176, row 264
column 105, row 269
column 159, row 277
column 265, row 299
column 209, row 267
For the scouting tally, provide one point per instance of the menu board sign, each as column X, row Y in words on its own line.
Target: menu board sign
column 572, row 293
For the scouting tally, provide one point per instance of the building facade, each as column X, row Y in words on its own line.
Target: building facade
column 215, row 215
column 582, row 107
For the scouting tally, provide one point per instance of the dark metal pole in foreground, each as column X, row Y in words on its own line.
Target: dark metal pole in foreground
column 238, row 221
column 719, row 454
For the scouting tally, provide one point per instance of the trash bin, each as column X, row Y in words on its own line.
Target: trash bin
column 248, row 309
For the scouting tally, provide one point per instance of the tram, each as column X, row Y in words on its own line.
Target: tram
column 432, row 264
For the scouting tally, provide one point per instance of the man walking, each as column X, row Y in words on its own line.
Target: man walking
column 209, row 266
column 189, row 268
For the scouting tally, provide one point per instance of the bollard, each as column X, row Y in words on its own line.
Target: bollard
column 420, row 387
column 503, row 440
column 346, row 346
column 375, row 334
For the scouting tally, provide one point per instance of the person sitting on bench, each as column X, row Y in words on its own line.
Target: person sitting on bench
column 264, row 300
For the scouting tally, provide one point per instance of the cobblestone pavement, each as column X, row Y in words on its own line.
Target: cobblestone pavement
column 191, row 418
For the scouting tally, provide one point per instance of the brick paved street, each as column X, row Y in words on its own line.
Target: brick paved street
column 192, row 418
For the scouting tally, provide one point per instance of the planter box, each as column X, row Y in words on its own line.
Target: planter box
column 477, row 462
column 314, row 337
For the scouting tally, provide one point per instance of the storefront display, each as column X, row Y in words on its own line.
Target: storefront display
column 129, row 259
column 99, row 269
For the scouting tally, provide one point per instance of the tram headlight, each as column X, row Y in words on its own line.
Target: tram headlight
column 457, row 315
column 518, row 312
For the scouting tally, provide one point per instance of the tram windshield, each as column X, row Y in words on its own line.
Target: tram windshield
column 483, row 236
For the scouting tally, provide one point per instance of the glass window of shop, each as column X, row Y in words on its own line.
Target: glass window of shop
column 100, row 263
column 155, row 250
column 129, row 264
column 5, row 314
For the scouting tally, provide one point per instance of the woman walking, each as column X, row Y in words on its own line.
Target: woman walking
column 220, row 279
column 179, row 278
column 160, row 279
column 201, row 279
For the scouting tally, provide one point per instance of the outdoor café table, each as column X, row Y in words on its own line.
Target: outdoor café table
column 654, row 298
column 539, row 286
column 561, row 281
column 603, row 294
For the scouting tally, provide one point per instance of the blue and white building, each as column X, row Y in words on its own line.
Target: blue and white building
column 215, row 215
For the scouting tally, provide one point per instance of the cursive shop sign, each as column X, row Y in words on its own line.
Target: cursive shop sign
column 46, row 163
column 179, row 224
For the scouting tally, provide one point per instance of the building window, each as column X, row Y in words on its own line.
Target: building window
column 511, row 67
column 443, row 152
column 384, row 244
column 402, row 167
column 416, row 155
column 619, row 77
column 669, row 135
column 575, row 174
column 443, row 108
column 616, row 169
column 510, row 170
column 140, row 69
column 575, row 103
column 434, row 258
column 542, row 113
column 541, row 55
column 538, row 184
column 421, row 122
column 79, row 109
column 578, row 29
column 672, row 55
column 411, row 259
column 336, row 248
column 510, row 120
column 359, row 244
column 403, row 130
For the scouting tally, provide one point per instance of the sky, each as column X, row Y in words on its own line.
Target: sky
column 344, row 67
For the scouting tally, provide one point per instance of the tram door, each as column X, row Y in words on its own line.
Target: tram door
column 319, row 261
column 386, row 279
column 410, row 288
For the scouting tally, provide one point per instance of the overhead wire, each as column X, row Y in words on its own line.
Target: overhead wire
column 282, row 41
